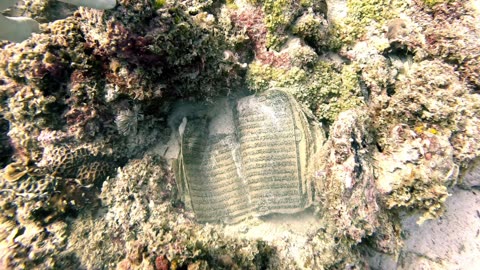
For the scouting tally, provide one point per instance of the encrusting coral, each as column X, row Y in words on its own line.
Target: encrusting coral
column 415, row 171
column 154, row 232
column 84, row 126
column 433, row 98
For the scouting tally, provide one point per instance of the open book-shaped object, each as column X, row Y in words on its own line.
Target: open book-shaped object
column 248, row 157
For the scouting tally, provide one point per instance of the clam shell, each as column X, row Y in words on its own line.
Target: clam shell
column 252, row 156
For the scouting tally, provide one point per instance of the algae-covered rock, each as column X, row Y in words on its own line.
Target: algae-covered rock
column 322, row 88
column 415, row 171
column 179, row 52
column 431, row 97
column 279, row 15
column 89, row 103
column 154, row 231
column 349, row 176
column 313, row 28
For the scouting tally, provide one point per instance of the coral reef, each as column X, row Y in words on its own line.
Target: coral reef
column 451, row 35
column 155, row 233
column 89, row 109
column 415, row 171
column 249, row 33
column 431, row 97
column 348, row 195
column 29, row 245
column 313, row 29
column 321, row 88
column 178, row 53
column 362, row 15
column 33, row 204
column 349, row 176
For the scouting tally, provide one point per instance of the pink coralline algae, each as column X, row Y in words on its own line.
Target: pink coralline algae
column 251, row 20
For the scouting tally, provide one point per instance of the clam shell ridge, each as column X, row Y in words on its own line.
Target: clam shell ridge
column 251, row 156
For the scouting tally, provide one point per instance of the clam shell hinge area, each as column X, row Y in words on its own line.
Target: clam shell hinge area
column 252, row 156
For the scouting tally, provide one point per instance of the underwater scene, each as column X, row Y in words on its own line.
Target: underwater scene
column 239, row 134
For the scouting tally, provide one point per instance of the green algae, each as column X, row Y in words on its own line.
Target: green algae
column 324, row 90
column 159, row 3
column 432, row 3
column 277, row 19
column 363, row 14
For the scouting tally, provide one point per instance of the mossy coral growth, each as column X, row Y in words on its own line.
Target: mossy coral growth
column 363, row 14
column 324, row 90
column 432, row 3
column 281, row 14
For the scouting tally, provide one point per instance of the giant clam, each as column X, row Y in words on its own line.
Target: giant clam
column 250, row 156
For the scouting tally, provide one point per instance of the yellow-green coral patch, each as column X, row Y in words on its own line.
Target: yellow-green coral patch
column 324, row 90
column 432, row 3
column 261, row 77
column 364, row 14
column 278, row 15
column 159, row 3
